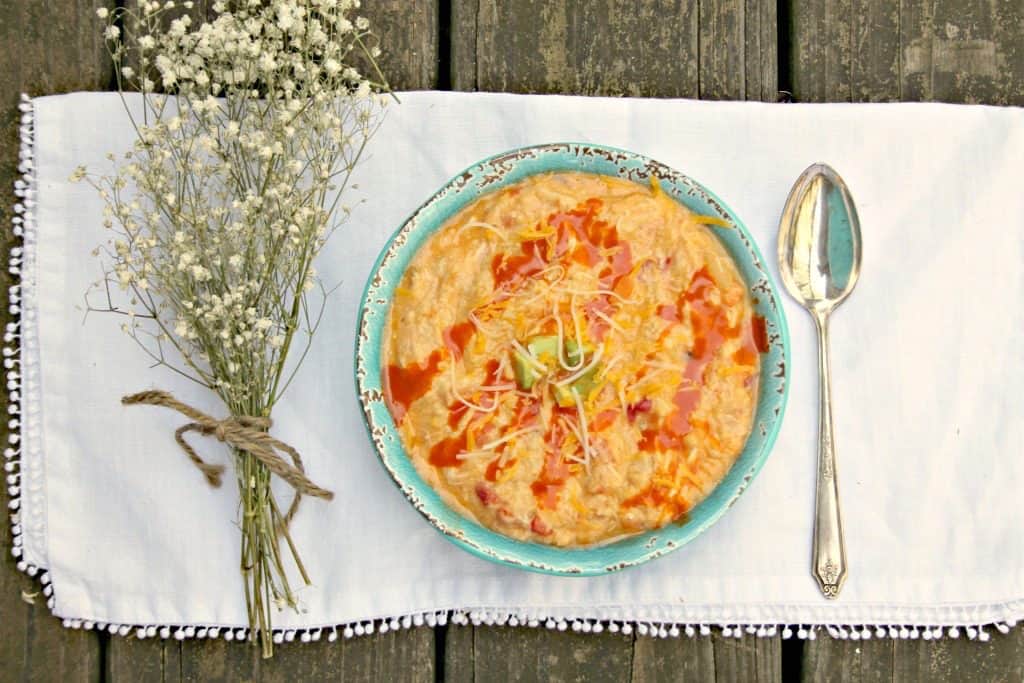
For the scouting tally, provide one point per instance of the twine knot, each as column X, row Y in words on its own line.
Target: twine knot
column 243, row 432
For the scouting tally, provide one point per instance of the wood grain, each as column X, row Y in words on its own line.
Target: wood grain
column 502, row 653
column 409, row 35
column 654, row 48
column 605, row 47
column 876, row 50
column 738, row 50
column 684, row 658
column 848, row 661
column 46, row 50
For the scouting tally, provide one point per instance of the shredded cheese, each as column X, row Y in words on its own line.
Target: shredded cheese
column 612, row 323
column 561, row 340
column 712, row 220
column 480, row 224
column 529, row 357
column 496, row 387
column 508, row 437
column 458, row 397
column 582, row 371
column 467, row 455
column 583, row 428
column 597, row 292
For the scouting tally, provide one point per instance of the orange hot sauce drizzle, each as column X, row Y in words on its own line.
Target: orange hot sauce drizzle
column 711, row 330
column 402, row 386
column 457, row 336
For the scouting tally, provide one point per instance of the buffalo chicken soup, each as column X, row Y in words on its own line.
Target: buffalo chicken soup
column 573, row 359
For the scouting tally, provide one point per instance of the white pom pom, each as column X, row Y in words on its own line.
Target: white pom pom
column 332, row 636
column 278, row 638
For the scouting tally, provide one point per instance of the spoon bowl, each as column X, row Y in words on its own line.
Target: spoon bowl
column 819, row 240
column 819, row 259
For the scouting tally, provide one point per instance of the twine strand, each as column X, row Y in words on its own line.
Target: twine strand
column 243, row 432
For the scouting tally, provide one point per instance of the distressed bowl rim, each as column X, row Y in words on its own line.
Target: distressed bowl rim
column 567, row 561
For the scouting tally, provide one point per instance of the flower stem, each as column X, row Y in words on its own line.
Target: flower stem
column 264, row 574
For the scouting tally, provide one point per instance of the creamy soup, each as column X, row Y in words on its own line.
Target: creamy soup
column 573, row 359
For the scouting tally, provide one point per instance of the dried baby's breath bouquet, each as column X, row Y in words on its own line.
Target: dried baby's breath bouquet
column 248, row 128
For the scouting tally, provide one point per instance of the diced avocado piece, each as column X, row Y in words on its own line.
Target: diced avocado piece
column 583, row 386
column 525, row 374
column 545, row 349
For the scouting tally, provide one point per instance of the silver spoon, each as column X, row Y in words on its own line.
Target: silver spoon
column 819, row 259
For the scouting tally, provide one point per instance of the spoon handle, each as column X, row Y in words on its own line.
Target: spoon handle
column 829, row 555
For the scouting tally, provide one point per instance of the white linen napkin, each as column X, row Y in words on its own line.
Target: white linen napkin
column 928, row 361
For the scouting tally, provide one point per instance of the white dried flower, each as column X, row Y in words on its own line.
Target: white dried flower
column 218, row 212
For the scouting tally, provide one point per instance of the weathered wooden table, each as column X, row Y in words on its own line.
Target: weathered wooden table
column 817, row 50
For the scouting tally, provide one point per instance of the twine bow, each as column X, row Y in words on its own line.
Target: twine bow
column 242, row 432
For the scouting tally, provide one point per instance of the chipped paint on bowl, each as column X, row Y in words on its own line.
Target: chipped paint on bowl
column 494, row 173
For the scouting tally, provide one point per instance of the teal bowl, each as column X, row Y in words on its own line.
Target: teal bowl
column 492, row 174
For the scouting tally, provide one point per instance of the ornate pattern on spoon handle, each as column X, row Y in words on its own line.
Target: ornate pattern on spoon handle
column 829, row 555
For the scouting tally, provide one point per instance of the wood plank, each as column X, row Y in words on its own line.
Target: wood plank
column 604, row 47
column 952, row 661
column 503, row 653
column 458, row 652
column 747, row 658
column 151, row 659
column 655, row 48
column 209, row 660
column 963, row 51
column 848, row 661
column 738, row 50
column 403, row 655
column 45, row 50
column 875, row 50
column 683, row 658
column 409, row 36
